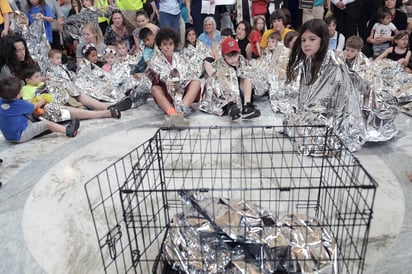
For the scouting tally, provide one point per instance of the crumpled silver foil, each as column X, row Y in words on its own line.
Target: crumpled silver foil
column 73, row 25
column 195, row 56
column 233, row 236
column 223, row 86
column 96, row 82
column 36, row 40
column 332, row 103
column 267, row 69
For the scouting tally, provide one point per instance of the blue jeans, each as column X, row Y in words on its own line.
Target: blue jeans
column 169, row 20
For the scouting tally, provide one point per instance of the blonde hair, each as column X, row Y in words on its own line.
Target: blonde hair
column 53, row 52
column 96, row 32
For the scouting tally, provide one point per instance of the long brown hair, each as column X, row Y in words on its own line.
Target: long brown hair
column 320, row 29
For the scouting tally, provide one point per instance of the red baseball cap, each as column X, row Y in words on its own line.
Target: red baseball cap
column 230, row 45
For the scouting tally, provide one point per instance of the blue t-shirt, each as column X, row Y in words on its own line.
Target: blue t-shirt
column 208, row 41
column 13, row 119
column 147, row 54
column 47, row 25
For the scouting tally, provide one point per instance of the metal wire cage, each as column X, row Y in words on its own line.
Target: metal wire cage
column 135, row 201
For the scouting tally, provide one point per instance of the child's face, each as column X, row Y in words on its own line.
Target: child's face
column 141, row 21
column 387, row 20
column 89, row 36
column 121, row 49
column 332, row 29
column 351, row 53
column 92, row 57
column 35, row 79
column 310, row 43
column 272, row 43
column 87, row 3
column 110, row 58
column 56, row 59
column 149, row 41
column 191, row 37
column 232, row 59
column 241, row 31
column 167, row 47
column 260, row 25
column 278, row 25
column 402, row 42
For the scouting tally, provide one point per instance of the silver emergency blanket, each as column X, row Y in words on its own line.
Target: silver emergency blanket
column 233, row 236
column 195, row 56
column 330, row 105
column 267, row 68
column 36, row 40
column 223, row 86
column 96, row 82
column 73, row 25
column 53, row 111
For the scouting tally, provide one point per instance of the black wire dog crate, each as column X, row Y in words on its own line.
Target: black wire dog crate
column 232, row 200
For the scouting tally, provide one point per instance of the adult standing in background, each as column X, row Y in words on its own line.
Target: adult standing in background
column 197, row 17
column 118, row 30
column 169, row 12
column 317, row 11
column 348, row 14
column 103, row 20
column 5, row 11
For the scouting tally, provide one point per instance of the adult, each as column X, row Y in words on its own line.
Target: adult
column 14, row 56
column 196, row 15
column 317, row 10
column 93, row 36
column 5, row 10
column 102, row 20
column 169, row 12
column 118, row 30
column 348, row 14
column 399, row 19
column 210, row 35
column 130, row 7
column 243, row 30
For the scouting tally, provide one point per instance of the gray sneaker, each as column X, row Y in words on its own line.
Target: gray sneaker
column 177, row 120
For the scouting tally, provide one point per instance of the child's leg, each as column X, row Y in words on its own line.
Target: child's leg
column 91, row 102
column 192, row 93
column 55, row 127
column 246, row 87
column 83, row 114
column 32, row 130
column 162, row 101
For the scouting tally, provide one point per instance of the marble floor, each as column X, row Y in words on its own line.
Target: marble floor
column 45, row 222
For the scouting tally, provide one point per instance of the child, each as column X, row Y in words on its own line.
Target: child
column 15, row 125
column 399, row 52
column 89, row 52
column 38, row 9
column 381, row 33
column 290, row 39
column 143, row 21
column 352, row 54
column 325, row 92
column 109, row 58
column 148, row 38
column 228, row 82
column 34, row 80
column 174, row 102
column 122, row 51
column 253, row 50
column 64, row 78
column 280, row 18
column 336, row 39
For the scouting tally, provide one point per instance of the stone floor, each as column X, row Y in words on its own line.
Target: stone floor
column 45, row 222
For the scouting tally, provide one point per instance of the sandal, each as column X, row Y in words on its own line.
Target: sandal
column 115, row 112
column 71, row 129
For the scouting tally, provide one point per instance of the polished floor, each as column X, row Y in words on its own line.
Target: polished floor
column 45, row 222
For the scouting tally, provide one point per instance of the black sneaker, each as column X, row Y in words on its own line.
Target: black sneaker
column 250, row 111
column 72, row 127
column 233, row 110
column 122, row 105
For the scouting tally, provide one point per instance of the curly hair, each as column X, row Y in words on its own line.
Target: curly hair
column 8, row 55
column 166, row 34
